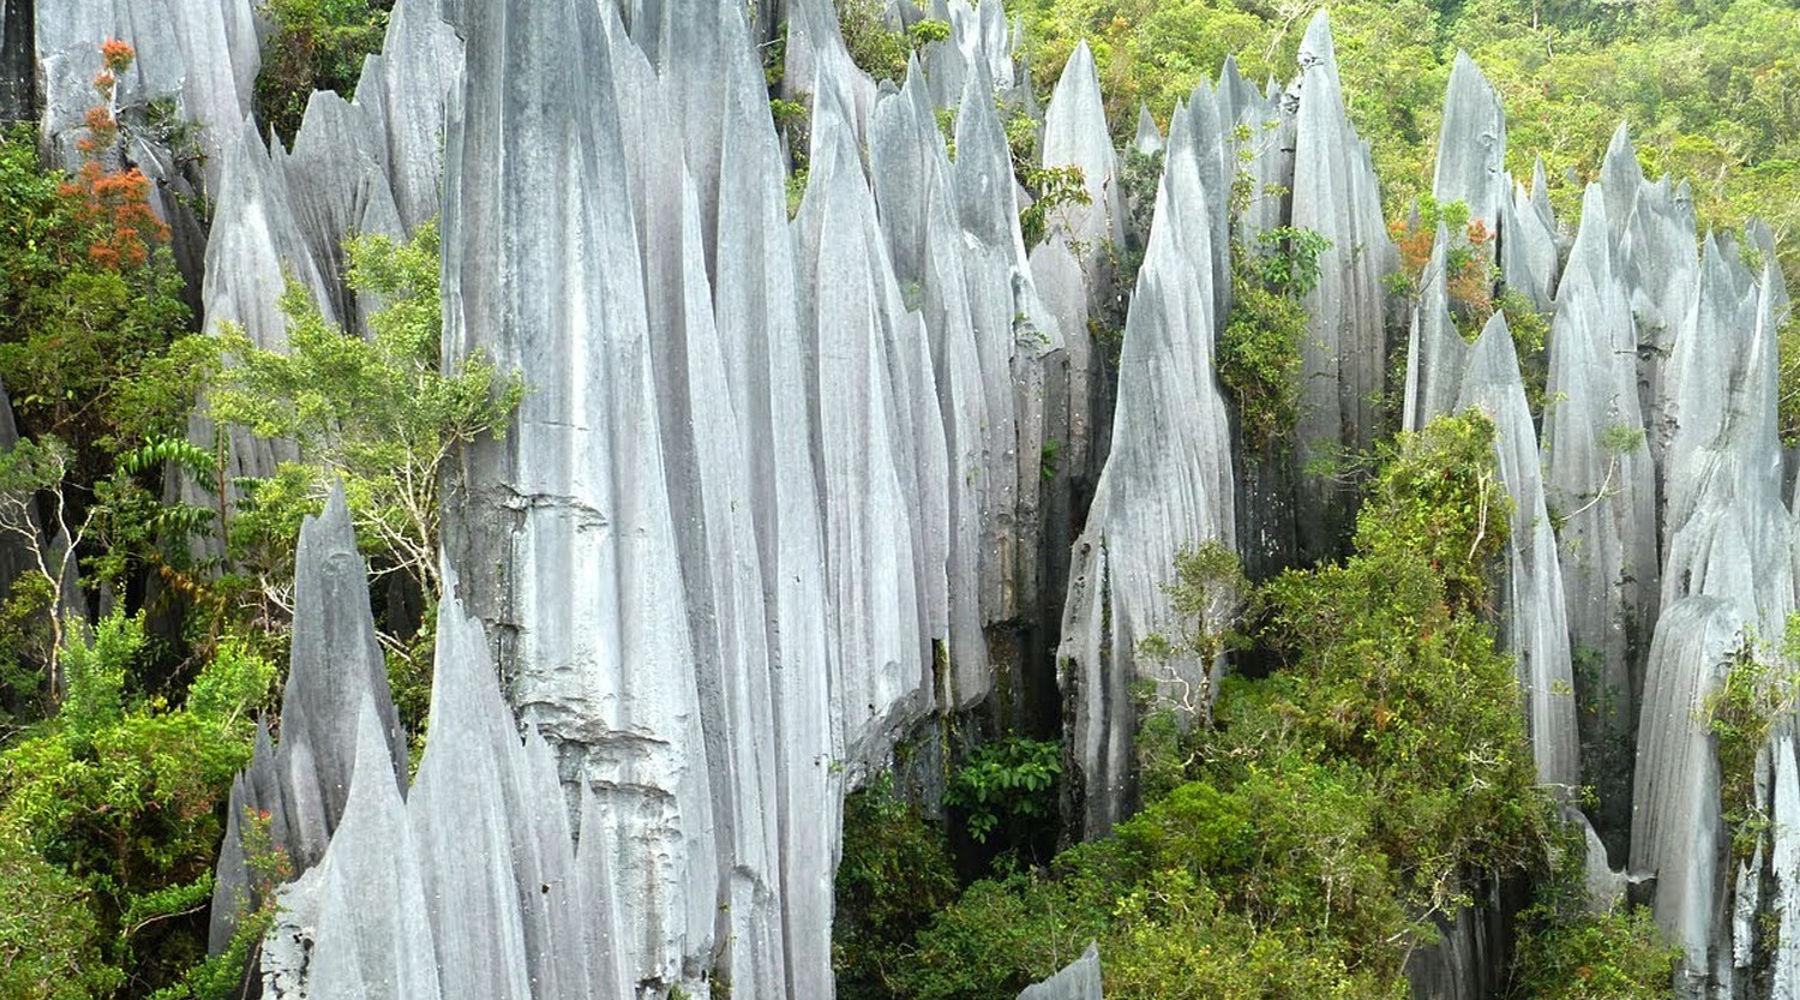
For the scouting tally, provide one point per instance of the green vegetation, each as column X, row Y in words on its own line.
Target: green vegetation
column 1299, row 842
column 119, row 739
column 314, row 45
column 1703, row 85
column 1566, row 951
column 110, row 818
column 1053, row 189
column 1260, row 350
column 1757, row 690
column 895, row 873
column 1473, row 283
column 877, row 47
column 1007, row 788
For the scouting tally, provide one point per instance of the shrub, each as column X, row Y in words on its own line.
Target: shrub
column 315, row 45
column 1260, row 349
column 1007, row 787
column 878, row 49
column 894, row 874
column 1053, row 189
column 1285, row 848
column 1619, row 955
column 114, row 804
column 1757, row 689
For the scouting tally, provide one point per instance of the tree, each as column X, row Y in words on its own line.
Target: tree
column 379, row 414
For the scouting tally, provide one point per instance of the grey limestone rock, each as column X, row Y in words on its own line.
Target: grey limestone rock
column 1070, row 268
column 1621, row 176
column 202, row 54
column 1532, row 606
column 1724, row 520
column 1677, row 832
column 1345, row 354
column 1600, row 478
column 1149, row 139
column 1785, row 861
column 875, row 406
column 569, row 519
column 1529, row 246
column 1471, row 158
column 335, row 667
column 1079, row 980
column 1724, row 526
column 1076, row 135
column 1661, row 265
column 1436, row 353
column 1167, row 485
column 363, row 906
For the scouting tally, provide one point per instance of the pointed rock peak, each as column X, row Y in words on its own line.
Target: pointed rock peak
column 1077, row 98
column 1592, row 241
column 1493, row 361
column 1079, row 980
column 1440, row 248
column 465, row 694
column 372, row 783
column 1465, row 74
column 1080, row 66
column 1621, row 174
column 334, row 520
column 1230, row 77
column 1317, row 47
column 1149, row 137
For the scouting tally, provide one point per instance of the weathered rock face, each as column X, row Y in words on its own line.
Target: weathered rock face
column 779, row 484
column 1167, row 485
column 18, row 69
column 1529, row 241
column 1436, row 353
column 1725, row 527
column 1677, row 832
column 1079, row 980
column 336, row 671
column 577, row 578
column 1600, row 480
column 1471, row 163
column 202, row 56
column 1344, row 360
column 1533, row 612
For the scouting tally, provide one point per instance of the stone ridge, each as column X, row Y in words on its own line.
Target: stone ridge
column 785, row 491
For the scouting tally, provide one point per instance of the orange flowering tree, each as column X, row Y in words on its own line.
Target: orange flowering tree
column 93, row 304
column 1472, row 280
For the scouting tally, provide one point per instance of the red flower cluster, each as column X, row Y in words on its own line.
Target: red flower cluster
column 113, row 204
column 117, row 55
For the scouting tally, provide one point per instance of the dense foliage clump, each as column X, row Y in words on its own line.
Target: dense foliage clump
column 876, row 45
column 1299, row 844
column 314, row 45
column 110, row 816
column 1260, row 349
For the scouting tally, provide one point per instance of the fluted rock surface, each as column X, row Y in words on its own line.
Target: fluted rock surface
column 1677, row 832
column 1530, row 244
column 336, row 671
column 1533, row 612
column 1344, row 357
column 1079, row 980
column 1436, row 353
column 201, row 54
column 1167, row 485
column 1601, row 481
column 780, row 483
column 1471, row 161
